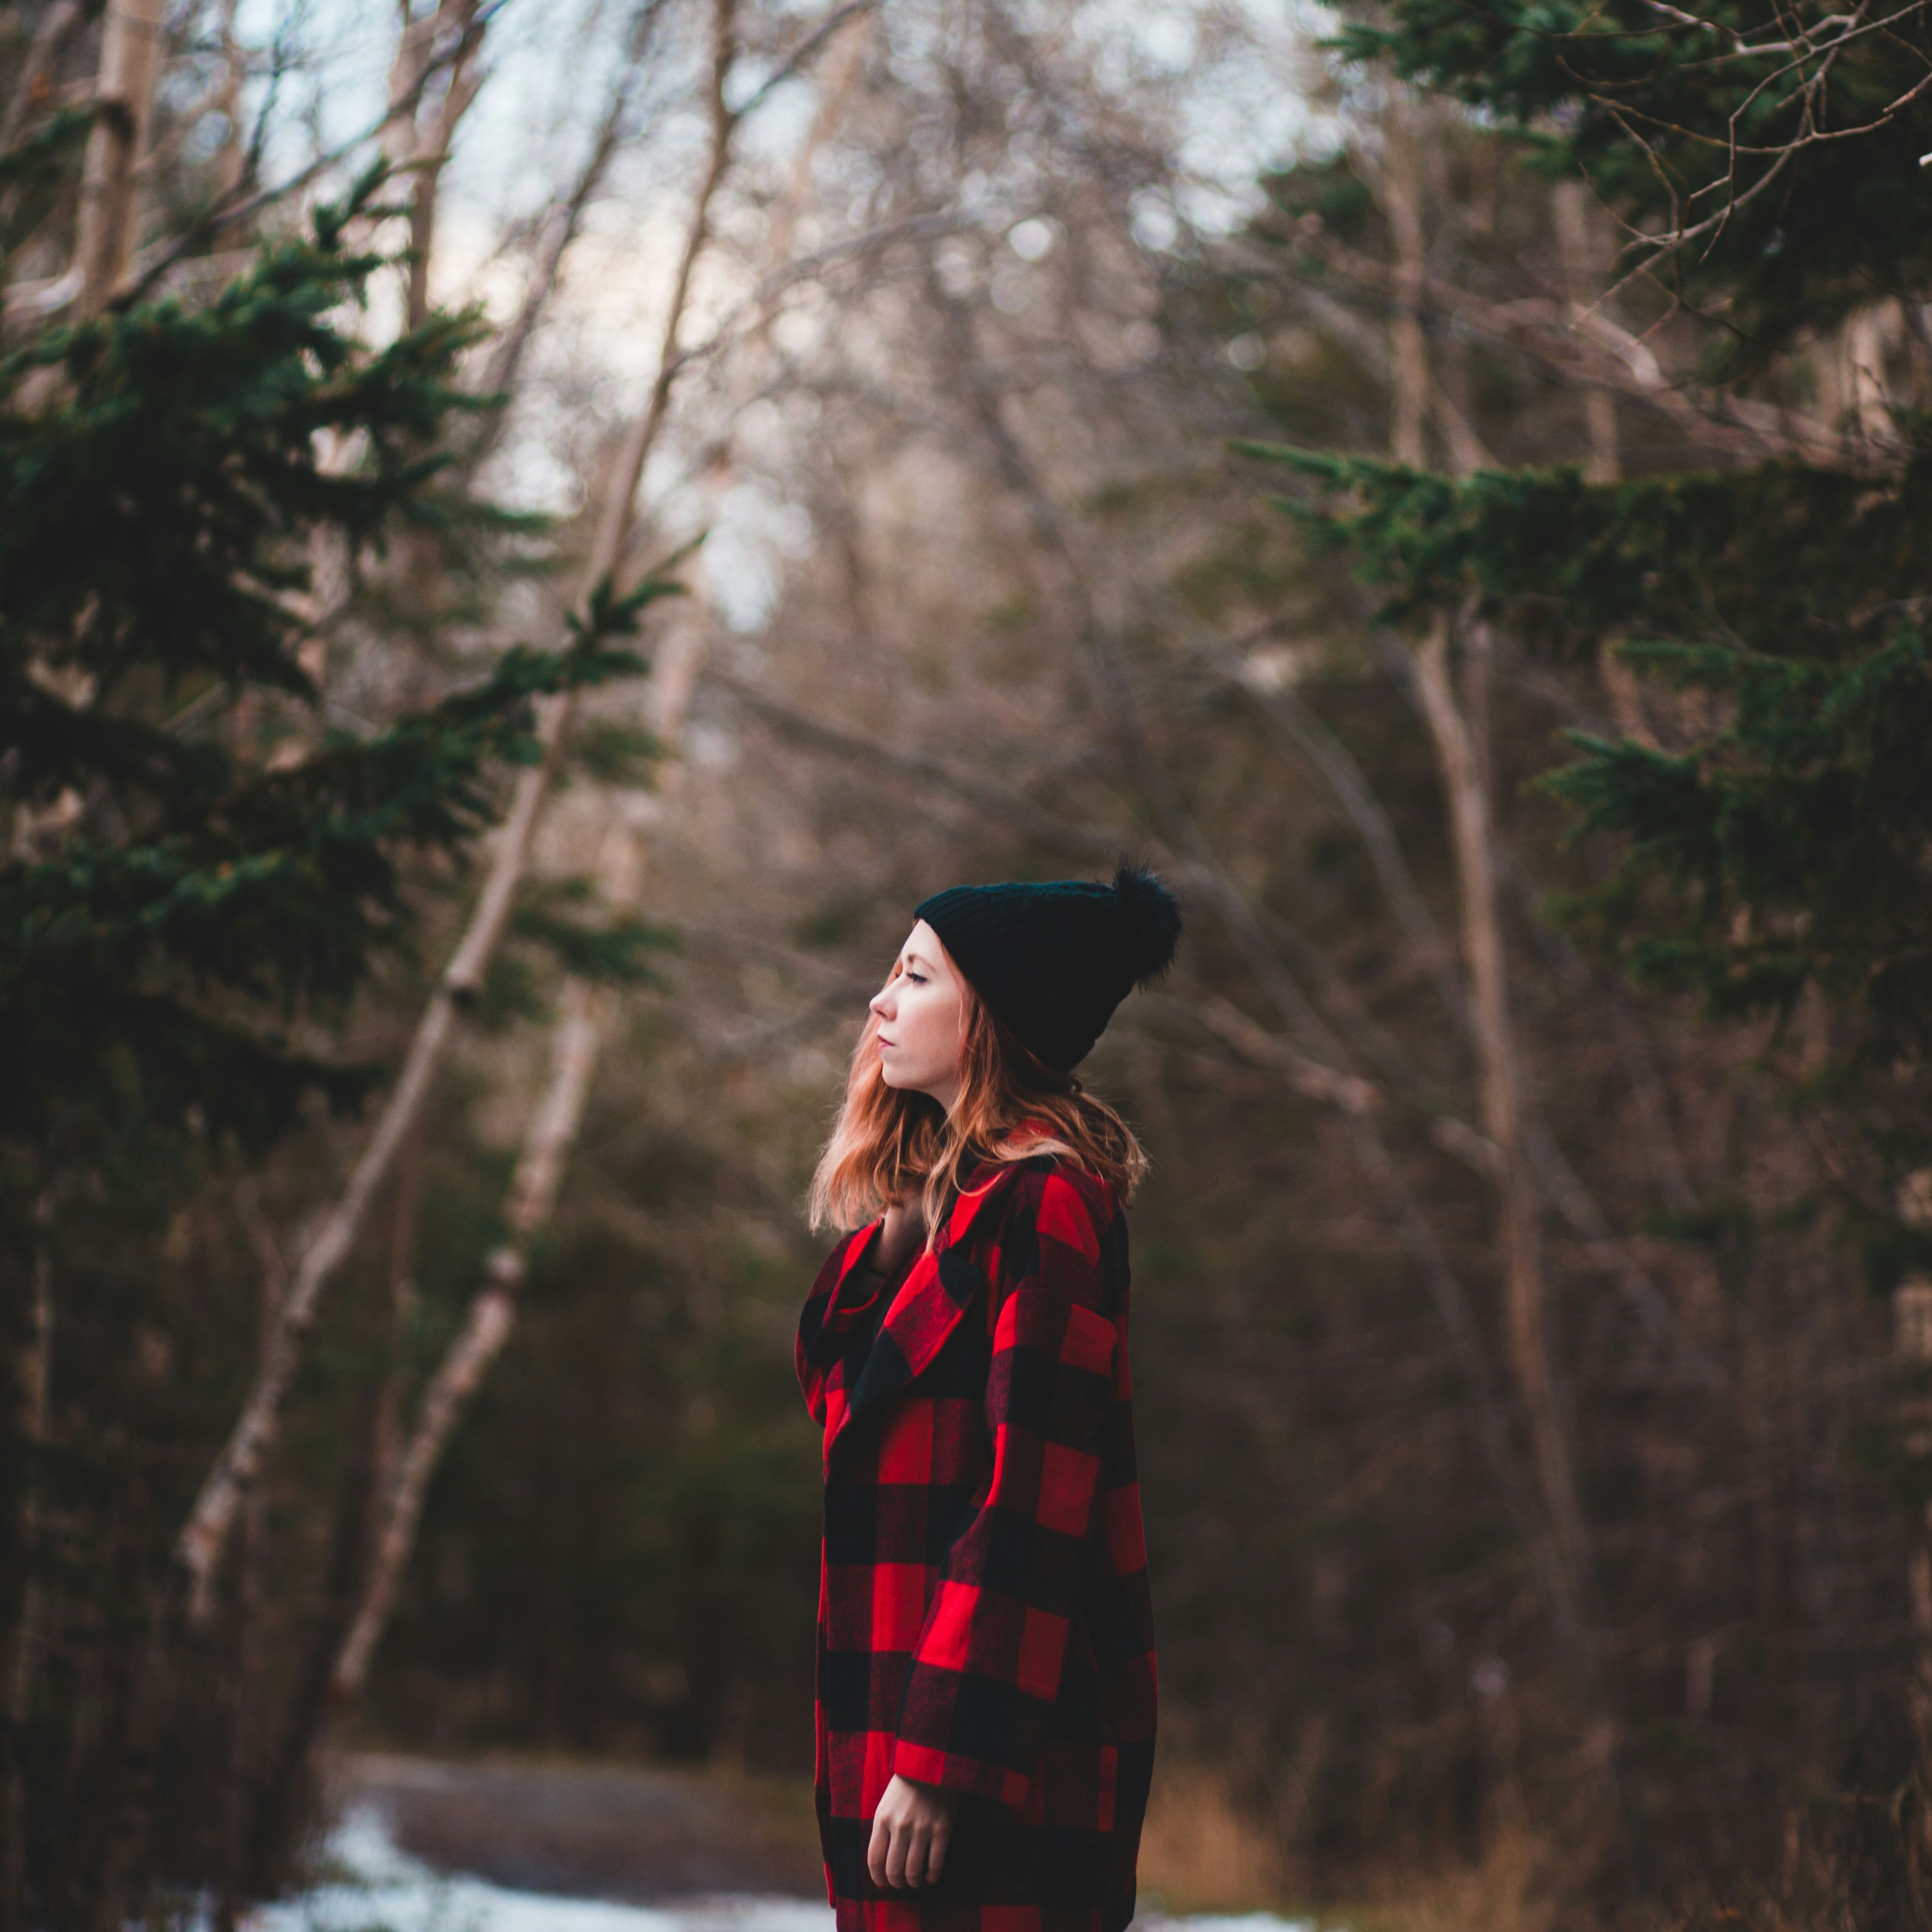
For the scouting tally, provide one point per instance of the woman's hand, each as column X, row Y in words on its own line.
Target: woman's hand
column 910, row 1830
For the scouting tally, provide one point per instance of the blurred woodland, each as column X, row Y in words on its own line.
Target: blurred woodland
column 533, row 535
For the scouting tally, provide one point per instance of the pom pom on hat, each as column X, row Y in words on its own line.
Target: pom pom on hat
column 1153, row 922
column 1053, row 960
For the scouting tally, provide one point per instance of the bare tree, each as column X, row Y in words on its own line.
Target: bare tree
column 585, row 1013
column 204, row 1536
column 1457, row 726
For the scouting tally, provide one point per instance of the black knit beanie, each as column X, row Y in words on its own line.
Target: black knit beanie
column 1053, row 961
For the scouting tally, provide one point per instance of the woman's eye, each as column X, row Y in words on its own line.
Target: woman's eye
column 917, row 979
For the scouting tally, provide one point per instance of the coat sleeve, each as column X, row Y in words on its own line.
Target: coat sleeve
column 986, row 1672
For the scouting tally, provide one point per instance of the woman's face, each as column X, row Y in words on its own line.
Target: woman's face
column 922, row 1014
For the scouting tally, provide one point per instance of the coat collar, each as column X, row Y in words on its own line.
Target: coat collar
column 925, row 1310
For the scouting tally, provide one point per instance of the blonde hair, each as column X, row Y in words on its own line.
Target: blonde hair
column 1012, row 1106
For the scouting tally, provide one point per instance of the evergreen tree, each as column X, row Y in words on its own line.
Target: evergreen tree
column 206, row 864
column 1757, row 831
column 172, row 903
column 1764, row 168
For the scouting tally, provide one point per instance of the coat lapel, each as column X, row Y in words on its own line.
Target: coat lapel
column 934, row 1294
column 824, row 1326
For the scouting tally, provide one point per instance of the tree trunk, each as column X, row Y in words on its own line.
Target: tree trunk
column 1864, row 353
column 581, row 1011
column 1571, row 208
column 273, row 1804
column 125, row 1800
column 199, row 1545
column 33, row 1371
column 1500, row 1079
column 111, row 180
column 416, row 139
column 1580, row 259
column 584, row 1011
column 1457, row 727
column 276, row 1812
column 231, row 167
column 247, row 1738
column 1409, row 350
column 420, row 130
column 1912, row 1346
column 560, row 230
column 554, row 1128
column 198, row 1549
column 614, row 528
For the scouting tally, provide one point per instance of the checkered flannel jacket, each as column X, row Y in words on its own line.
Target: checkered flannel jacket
column 984, row 1621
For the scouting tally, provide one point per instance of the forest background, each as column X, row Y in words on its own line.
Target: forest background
column 492, row 646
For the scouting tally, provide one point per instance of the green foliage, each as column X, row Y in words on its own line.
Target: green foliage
column 1332, row 189
column 1792, row 844
column 1753, row 558
column 603, row 949
column 1786, row 847
column 161, row 480
column 1785, row 140
column 1771, row 846
column 47, row 149
column 614, row 753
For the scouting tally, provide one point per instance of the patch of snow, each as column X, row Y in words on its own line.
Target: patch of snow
column 371, row 1884
column 1228, row 1921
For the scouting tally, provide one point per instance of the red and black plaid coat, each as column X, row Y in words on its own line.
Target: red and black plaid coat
column 984, row 1621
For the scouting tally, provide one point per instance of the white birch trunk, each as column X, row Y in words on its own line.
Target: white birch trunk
column 111, row 180
column 1409, row 350
column 199, row 1547
column 429, row 134
column 203, row 1538
column 1492, row 1033
column 583, row 1012
column 1865, row 352
column 1456, row 725
column 533, row 1192
column 1578, row 256
column 560, row 230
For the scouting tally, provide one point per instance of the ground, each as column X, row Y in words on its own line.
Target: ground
column 640, row 1836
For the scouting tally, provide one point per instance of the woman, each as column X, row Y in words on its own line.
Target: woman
column 986, row 1679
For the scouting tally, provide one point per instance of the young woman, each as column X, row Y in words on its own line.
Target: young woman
column 986, row 1680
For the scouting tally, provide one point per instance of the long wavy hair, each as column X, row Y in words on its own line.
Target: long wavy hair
column 888, row 1141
